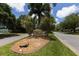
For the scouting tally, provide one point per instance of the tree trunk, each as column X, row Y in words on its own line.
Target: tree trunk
column 74, row 30
column 39, row 20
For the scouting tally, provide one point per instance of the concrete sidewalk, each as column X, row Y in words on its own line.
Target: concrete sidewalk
column 71, row 41
column 8, row 40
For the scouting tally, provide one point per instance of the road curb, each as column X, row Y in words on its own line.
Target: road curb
column 6, row 41
column 67, row 45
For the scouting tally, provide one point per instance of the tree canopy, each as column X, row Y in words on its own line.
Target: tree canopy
column 71, row 22
column 6, row 17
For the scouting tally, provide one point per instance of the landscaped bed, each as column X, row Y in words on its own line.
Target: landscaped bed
column 53, row 48
column 29, row 45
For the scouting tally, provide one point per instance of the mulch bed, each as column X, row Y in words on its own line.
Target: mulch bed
column 34, row 44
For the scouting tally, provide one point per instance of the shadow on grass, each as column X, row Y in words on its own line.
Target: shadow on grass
column 7, row 35
column 51, row 37
column 73, row 33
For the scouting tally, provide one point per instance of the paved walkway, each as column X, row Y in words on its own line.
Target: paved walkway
column 8, row 40
column 71, row 41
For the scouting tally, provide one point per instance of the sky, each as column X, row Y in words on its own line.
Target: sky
column 60, row 11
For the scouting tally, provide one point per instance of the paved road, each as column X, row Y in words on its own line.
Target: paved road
column 8, row 40
column 71, row 41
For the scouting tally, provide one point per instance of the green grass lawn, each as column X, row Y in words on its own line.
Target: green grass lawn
column 53, row 48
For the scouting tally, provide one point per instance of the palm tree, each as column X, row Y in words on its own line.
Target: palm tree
column 37, row 11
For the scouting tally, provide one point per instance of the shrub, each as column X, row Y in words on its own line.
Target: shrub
column 38, row 33
column 29, row 27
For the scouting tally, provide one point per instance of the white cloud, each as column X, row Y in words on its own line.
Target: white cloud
column 65, row 11
column 57, row 20
column 19, row 6
column 28, row 10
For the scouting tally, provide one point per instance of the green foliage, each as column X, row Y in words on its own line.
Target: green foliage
column 6, row 17
column 39, row 10
column 70, row 23
column 5, row 8
column 47, row 24
column 19, row 27
column 57, row 27
column 29, row 27
column 26, row 22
